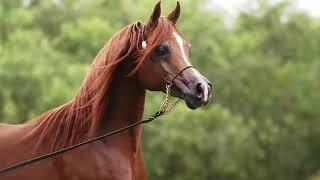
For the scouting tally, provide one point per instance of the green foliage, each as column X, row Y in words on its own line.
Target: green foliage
column 82, row 38
column 263, row 123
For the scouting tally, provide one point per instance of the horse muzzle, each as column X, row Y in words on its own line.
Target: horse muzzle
column 194, row 88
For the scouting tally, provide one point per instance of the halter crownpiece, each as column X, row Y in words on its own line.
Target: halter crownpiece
column 144, row 42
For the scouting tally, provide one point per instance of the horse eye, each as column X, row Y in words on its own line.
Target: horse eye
column 162, row 50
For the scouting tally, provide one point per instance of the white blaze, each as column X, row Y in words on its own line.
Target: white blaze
column 180, row 43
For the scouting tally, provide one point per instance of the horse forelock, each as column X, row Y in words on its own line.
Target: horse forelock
column 77, row 120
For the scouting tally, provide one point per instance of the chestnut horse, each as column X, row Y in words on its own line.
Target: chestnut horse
column 136, row 59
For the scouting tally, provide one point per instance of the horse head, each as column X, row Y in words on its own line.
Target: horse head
column 168, row 60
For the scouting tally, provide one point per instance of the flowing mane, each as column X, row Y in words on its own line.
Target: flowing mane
column 76, row 120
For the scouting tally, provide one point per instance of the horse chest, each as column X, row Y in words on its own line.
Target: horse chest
column 98, row 162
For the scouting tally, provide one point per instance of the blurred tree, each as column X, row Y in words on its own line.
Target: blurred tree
column 83, row 39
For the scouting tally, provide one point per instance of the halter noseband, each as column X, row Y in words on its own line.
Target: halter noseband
column 181, row 71
column 170, row 82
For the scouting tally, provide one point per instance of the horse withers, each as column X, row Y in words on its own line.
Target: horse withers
column 138, row 58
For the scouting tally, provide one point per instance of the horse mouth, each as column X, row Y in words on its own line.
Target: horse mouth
column 190, row 99
column 191, row 105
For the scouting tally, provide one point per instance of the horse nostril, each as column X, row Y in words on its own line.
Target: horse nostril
column 199, row 89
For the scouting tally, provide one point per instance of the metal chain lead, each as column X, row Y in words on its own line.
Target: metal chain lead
column 166, row 107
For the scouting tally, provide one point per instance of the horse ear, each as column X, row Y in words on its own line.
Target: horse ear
column 153, row 20
column 174, row 15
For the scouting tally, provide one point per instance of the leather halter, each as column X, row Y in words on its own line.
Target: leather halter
column 170, row 82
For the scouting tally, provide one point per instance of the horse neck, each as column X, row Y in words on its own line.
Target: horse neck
column 125, row 105
column 63, row 126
